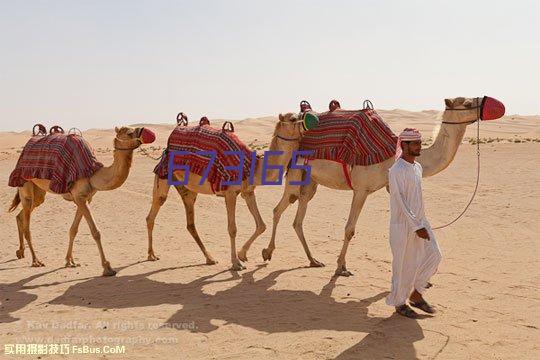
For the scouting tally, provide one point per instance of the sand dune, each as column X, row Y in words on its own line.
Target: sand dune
column 258, row 129
column 486, row 289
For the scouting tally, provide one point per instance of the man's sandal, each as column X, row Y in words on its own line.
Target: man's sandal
column 424, row 306
column 406, row 311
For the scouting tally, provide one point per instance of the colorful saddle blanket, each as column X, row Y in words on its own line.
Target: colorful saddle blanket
column 60, row 158
column 353, row 137
column 194, row 139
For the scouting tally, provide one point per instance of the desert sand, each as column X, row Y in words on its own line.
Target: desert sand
column 486, row 290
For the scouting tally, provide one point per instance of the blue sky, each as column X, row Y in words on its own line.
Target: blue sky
column 105, row 63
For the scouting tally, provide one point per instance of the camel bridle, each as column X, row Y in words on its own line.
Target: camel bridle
column 478, row 112
column 287, row 138
column 139, row 142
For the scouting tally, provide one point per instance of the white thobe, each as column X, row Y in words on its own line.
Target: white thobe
column 415, row 259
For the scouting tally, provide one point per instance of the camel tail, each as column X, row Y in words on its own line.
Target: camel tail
column 16, row 201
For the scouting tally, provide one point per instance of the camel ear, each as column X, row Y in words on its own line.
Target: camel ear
column 459, row 101
column 449, row 103
column 468, row 103
column 116, row 129
column 281, row 117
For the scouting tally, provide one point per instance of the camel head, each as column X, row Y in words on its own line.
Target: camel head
column 128, row 138
column 292, row 126
column 289, row 127
column 463, row 110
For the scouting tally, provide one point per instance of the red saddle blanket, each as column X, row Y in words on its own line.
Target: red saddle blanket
column 60, row 158
column 206, row 138
column 353, row 137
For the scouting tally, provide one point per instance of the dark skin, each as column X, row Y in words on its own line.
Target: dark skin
column 412, row 149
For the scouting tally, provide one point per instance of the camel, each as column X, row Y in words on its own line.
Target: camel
column 286, row 138
column 368, row 179
column 32, row 195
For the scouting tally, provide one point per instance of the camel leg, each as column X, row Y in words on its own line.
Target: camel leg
column 159, row 196
column 306, row 194
column 290, row 195
column 19, row 218
column 27, row 192
column 38, row 197
column 260, row 226
column 72, row 233
column 359, row 198
column 230, row 202
column 83, row 208
column 189, row 198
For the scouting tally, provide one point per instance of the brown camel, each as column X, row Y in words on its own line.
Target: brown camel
column 459, row 113
column 286, row 138
column 32, row 194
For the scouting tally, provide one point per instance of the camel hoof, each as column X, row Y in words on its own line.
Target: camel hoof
column 242, row 255
column 72, row 264
column 20, row 253
column 343, row 272
column 266, row 254
column 152, row 257
column 210, row 261
column 37, row 263
column 315, row 263
column 109, row 272
column 237, row 267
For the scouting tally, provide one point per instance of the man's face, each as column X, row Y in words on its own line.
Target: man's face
column 412, row 148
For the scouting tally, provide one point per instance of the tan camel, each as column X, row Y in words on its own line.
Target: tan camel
column 368, row 179
column 286, row 138
column 32, row 194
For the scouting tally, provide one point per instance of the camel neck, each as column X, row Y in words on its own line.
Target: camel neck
column 438, row 156
column 113, row 176
column 286, row 147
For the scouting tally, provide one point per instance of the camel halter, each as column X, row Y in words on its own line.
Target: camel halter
column 478, row 109
column 123, row 140
column 289, row 139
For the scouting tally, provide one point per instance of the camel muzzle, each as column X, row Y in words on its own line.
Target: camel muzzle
column 491, row 109
column 147, row 136
column 309, row 120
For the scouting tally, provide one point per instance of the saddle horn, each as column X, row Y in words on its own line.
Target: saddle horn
column 305, row 106
column 334, row 105
column 75, row 131
column 181, row 119
column 41, row 130
column 204, row 121
column 231, row 126
column 56, row 130
column 368, row 105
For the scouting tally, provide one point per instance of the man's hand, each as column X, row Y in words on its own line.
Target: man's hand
column 423, row 233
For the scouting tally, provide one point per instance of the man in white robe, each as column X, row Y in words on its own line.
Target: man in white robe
column 416, row 254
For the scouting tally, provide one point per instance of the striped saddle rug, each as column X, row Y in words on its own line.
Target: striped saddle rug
column 194, row 139
column 352, row 137
column 60, row 158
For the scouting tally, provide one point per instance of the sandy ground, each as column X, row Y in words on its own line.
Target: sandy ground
column 486, row 289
